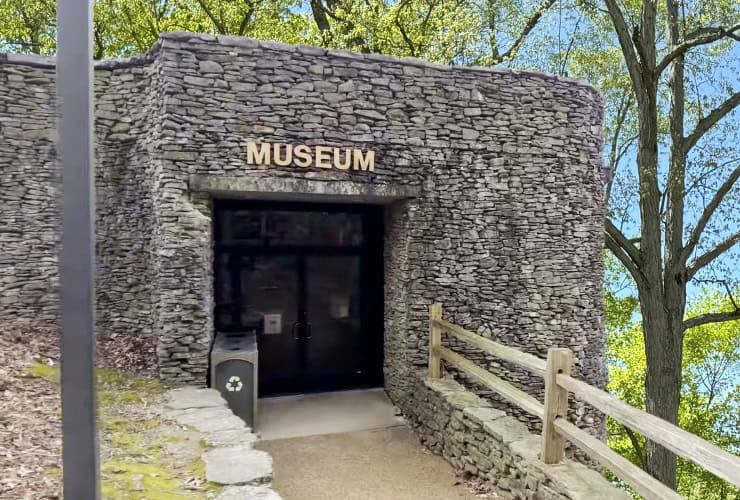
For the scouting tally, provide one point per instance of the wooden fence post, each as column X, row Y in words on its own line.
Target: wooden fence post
column 556, row 405
column 435, row 340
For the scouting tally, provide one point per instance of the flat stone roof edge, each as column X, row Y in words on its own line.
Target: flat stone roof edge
column 34, row 60
column 50, row 62
column 231, row 40
column 346, row 54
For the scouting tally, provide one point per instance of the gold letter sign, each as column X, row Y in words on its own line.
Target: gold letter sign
column 310, row 156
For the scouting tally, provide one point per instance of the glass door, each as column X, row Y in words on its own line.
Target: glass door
column 308, row 280
column 271, row 291
column 335, row 335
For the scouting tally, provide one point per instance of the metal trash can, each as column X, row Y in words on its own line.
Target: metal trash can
column 234, row 372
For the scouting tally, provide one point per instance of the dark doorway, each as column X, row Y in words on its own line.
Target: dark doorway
column 309, row 278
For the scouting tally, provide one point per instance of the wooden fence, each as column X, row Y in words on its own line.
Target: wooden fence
column 556, row 428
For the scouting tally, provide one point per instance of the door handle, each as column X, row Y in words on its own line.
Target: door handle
column 309, row 331
column 294, row 329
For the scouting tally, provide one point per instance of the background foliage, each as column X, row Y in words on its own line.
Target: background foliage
column 449, row 31
column 710, row 396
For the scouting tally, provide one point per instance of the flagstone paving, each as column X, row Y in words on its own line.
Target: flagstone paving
column 229, row 456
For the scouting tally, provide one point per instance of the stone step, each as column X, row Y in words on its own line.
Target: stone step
column 232, row 461
column 238, row 465
column 208, row 420
column 230, row 437
column 193, row 397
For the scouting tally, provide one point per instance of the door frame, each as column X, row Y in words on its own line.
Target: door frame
column 371, row 256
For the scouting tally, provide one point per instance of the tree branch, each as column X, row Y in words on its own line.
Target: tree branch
column 319, row 16
column 625, row 251
column 700, row 37
column 407, row 40
column 644, row 36
column 134, row 32
column 614, row 156
column 729, row 296
column 711, row 318
column 216, row 22
column 492, row 40
column 531, row 23
column 705, row 175
column 246, row 18
column 628, row 48
column 710, row 120
column 726, row 286
column 702, row 261
column 629, row 248
column 635, row 445
column 709, row 211
column 99, row 43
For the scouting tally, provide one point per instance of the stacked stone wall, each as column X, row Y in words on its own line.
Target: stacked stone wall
column 28, row 192
column 127, row 124
column 501, row 171
column 480, row 441
column 126, row 108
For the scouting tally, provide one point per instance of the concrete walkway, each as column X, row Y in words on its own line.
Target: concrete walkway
column 325, row 413
column 381, row 464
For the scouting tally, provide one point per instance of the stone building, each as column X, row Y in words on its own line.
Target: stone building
column 325, row 198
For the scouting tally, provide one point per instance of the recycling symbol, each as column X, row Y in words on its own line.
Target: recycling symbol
column 234, row 384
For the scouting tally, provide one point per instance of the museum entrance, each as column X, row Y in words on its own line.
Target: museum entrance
column 308, row 279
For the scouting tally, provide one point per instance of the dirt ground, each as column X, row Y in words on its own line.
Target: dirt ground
column 366, row 465
column 30, row 441
column 142, row 456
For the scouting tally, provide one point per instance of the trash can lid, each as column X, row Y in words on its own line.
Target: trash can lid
column 245, row 341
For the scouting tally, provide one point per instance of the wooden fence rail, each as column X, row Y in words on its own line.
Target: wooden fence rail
column 555, row 426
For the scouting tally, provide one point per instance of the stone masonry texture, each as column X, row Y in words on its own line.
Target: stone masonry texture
column 483, row 442
column 491, row 181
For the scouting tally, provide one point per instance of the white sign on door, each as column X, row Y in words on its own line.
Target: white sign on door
column 273, row 324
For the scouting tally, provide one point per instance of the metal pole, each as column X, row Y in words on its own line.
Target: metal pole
column 77, row 256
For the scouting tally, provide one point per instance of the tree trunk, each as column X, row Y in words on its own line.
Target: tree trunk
column 664, row 332
column 663, row 350
column 320, row 17
column 661, row 295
